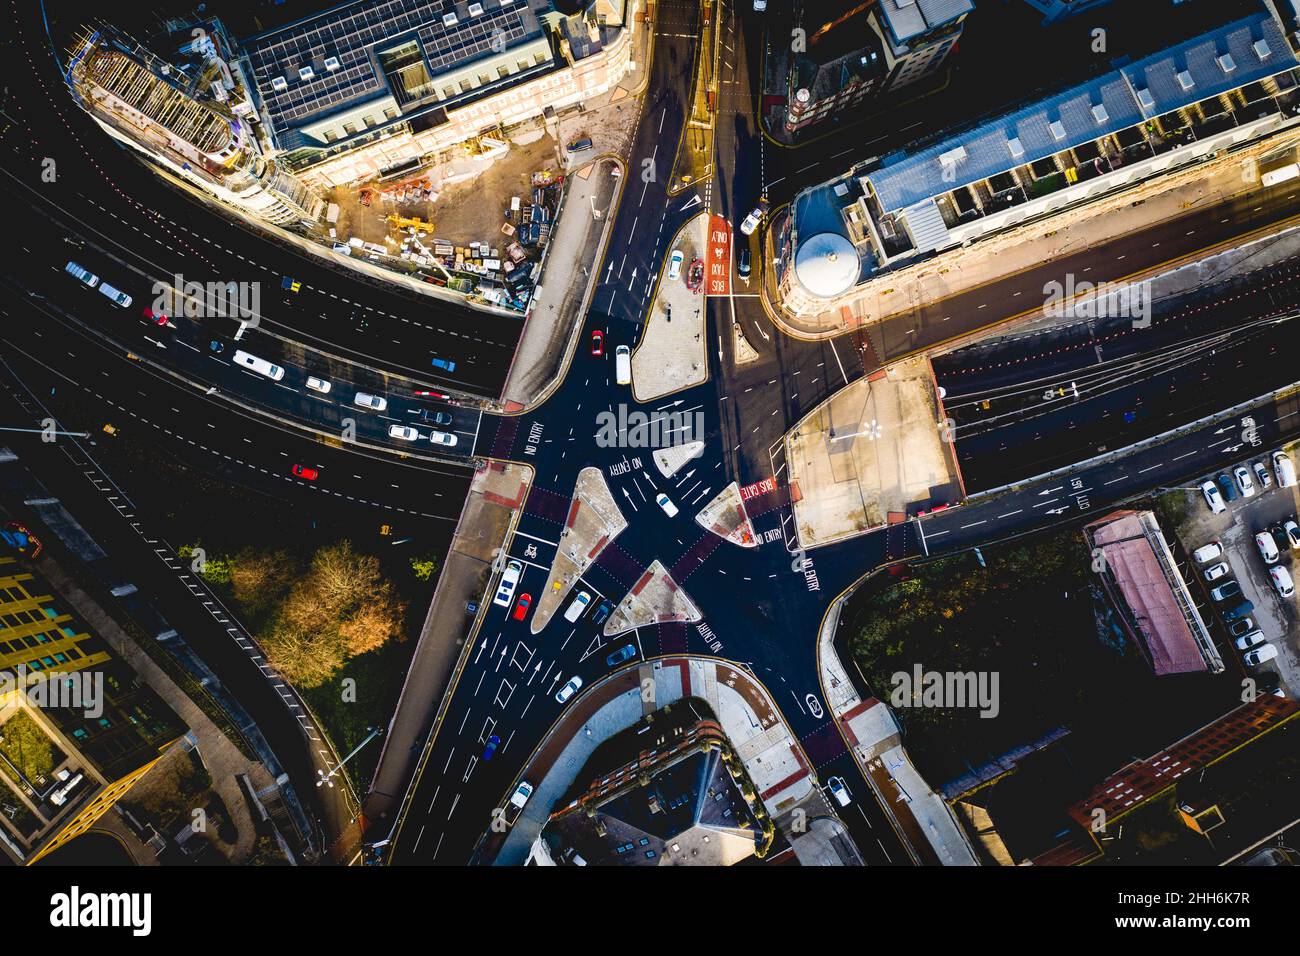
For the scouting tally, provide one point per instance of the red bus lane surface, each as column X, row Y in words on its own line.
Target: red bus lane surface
column 719, row 264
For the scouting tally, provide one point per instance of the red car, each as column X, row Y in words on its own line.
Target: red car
column 156, row 318
column 521, row 609
column 305, row 472
column 695, row 278
column 439, row 396
column 597, row 342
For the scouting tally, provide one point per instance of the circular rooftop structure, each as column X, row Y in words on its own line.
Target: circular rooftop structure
column 826, row 264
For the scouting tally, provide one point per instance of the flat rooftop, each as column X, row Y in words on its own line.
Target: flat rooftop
column 338, row 47
column 1241, row 52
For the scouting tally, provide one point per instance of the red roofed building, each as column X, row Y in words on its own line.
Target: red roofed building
column 1149, row 593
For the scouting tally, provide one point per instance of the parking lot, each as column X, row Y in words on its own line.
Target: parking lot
column 1235, row 528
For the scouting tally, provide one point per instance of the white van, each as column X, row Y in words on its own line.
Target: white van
column 1284, row 468
column 623, row 365
column 577, row 607
column 82, row 274
column 259, row 365
column 509, row 578
column 116, row 296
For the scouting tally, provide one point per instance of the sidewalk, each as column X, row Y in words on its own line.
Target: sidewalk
column 491, row 511
column 922, row 818
column 566, row 282
column 771, row 755
column 671, row 354
column 1033, row 244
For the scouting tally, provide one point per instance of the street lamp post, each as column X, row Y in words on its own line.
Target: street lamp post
column 326, row 779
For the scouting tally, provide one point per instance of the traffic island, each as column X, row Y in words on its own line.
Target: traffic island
column 655, row 599
column 671, row 355
column 594, row 521
column 673, row 459
column 870, row 453
column 726, row 517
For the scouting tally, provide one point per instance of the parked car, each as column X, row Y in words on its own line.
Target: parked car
column 1250, row 639
column 305, row 472
column 1207, row 552
column 521, row 794
column 1284, row 469
column 1265, row 652
column 1227, row 487
column 1229, row 589
column 1216, row 571
column 626, row 652
column 375, row 403
column 569, row 689
column 1262, row 476
column 1282, row 580
column 1240, row 611
column 675, row 264
column 493, row 743
column 1244, row 484
column 839, row 791
column 1241, row 626
column 521, row 608
column 509, row 578
column 1292, row 532
column 1267, row 547
column 1212, row 497
column 580, row 145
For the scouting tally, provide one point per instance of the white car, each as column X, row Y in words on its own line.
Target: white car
column 1244, row 484
column 666, row 503
column 1267, row 547
column 1292, row 534
column 1207, row 552
column 374, row 402
column 1213, row 498
column 509, row 578
column 404, row 432
column 1262, row 653
column 521, row 794
column 675, row 264
column 1250, row 639
column 443, row 438
column 1262, row 476
column 1214, row 572
column 839, row 791
column 577, row 607
column 1282, row 580
column 569, row 689
column 318, row 384
column 751, row 221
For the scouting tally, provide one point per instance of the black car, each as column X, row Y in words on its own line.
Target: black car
column 434, row 418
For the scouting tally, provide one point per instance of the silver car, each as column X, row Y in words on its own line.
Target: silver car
column 373, row 402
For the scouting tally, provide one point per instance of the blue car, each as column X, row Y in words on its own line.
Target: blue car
column 447, row 365
column 1229, row 489
column 620, row 655
column 493, row 743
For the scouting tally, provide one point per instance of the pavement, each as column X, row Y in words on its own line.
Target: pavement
column 672, row 353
